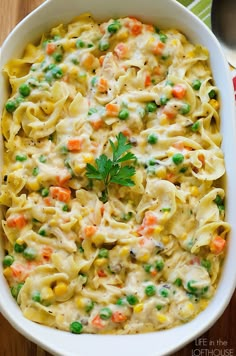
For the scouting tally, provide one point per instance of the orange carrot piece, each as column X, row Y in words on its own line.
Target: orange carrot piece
column 90, row 230
column 135, row 26
column 153, row 273
column 112, row 109
column 127, row 132
column 101, row 273
column 201, row 158
column 47, row 201
column 101, row 60
column 97, row 124
column 118, row 317
column 170, row 177
column 51, row 47
column 61, row 180
column 147, row 82
column 157, row 70
column 178, row 145
column 97, row 322
column 16, row 221
column 102, row 209
column 87, row 60
column 121, row 50
column 217, row 245
column 149, row 219
column 179, row 91
column 102, row 85
column 59, row 193
column 19, row 272
column 149, row 28
column 74, row 144
column 169, row 112
column 47, row 252
column 158, row 49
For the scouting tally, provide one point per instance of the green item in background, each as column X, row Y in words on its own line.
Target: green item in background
column 201, row 8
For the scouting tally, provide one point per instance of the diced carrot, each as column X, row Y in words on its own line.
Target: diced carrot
column 59, row 193
column 65, row 78
column 178, row 145
column 51, row 47
column 201, row 158
column 97, row 322
column 170, row 112
column 87, row 60
column 47, row 252
column 16, row 221
column 195, row 261
column 74, row 144
column 217, row 245
column 19, row 272
column 127, row 132
column 158, row 49
column 63, row 179
column 118, row 317
column 179, row 91
column 94, row 146
column 102, row 85
column 135, row 26
column 142, row 242
column 153, row 272
column 47, row 201
column 157, row 70
column 101, row 60
column 147, row 82
column 170, row 177
column 121, row 50
column 102, row 209
column 90, row 230
column 97, row 124
column 149, row 219
column 149, row 28
column 112, row 109
column 101, row 273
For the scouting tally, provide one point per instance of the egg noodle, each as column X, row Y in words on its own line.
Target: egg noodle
column 148, row 255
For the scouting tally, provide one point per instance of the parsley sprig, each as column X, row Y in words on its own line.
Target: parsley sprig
column 110, row 170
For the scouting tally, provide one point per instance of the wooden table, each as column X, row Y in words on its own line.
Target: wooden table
column 222, row 336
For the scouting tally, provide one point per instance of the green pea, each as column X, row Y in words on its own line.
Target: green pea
column 206, row 264
column 151, row 107
column 150, row 290
column 74, row 61
column 19, row 248
column 57, row 57
column 80, row 44
column 152, row 162
column 178, row 282
column 21, row 157
column 24, row 89
column 103, row 46
column 127, row 217
column 105, row 313
column 190, row 286
column 45, row 192
column 218, row 200
column 8, row 260
column 132, row 299
column 178, row 158
column 49, row 77
column 11, row 106
column 29, row 253
column 57, row 72
column 196, row 84
column 164, row 292
column 42, row 159
column 94, row 81
column 16, row 290
column 65, row 207
column 76, row 327
column 89, row 306
column 103, row 253
column 42, row 232
column 81, row 250
column 92, row 111
column 147, row 268
column 90, row 45
column 164, row 100
column 185, row 109
column 35, row 171
column 163, row 37
column 64, row 150
column 212, row 94
column 120, row 301
column 36, row 297
column 114, row 27
column 152, row 138
column 170, row 83
column 195, row 126
column 183, row 169
column 159, row 307
column 159, row 265
column 123, row 114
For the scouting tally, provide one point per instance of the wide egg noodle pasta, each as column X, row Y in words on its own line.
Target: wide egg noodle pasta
column 150, row 257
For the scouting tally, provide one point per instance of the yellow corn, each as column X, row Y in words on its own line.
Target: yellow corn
column 194, row 191
column 41, row 58
column 174, row 42
column 124, row 252
column 190, row 306
column 151, row 40
column 161, row 173
column 187, row 310
column 53, row 222
column 64, row 67
column 60, row 289
column 98, row 239
column 190, row 54
column 100, row 262
column 165, row 239
column 203, row 304
column 183, row 237
column 74, row 71
column 68, row 45
column 144, row 258
column 80, row 302
column 47, row 293
column 123, row 35
column 33, row 185
column 88, row 158
column 20, row 241
column 138, row 308
column 161, row 318
column 158, row 229
column 215, row 104
column 17, row 166
column 163, row 120
column 7, row 272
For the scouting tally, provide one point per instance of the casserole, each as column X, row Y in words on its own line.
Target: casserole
column 200, row 40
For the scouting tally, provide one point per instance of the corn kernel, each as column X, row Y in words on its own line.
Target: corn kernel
column 194, row 191
column 88, row 158
column 7, row 272
column 47, row 293
column 98, row 239
column 17, row 166
column 151, row 40
column 53, row 222
column 60, row 289
column 20, row 241
column 64, row 67
column 203, row 304
column 144, row 258
column 138, row 308
column 165, row 239
column 174, row 42
column 80, row 302
column 161, row 173
column 123, row 35
column 161, row 318
column 215, row 104
column 163, row 120
column 40, row 58
column 183, row 237
column 100, row 262
column 190, row 306
column 124, row 252
column 33, row 185
column 68, row 45
column 187, row 310
column 74, row 71
column 158, row 229
column 190, row 54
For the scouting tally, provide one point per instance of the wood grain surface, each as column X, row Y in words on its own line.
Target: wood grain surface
column 220, row 340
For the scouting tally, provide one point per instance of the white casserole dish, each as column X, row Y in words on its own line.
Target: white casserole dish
column 166, row 13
